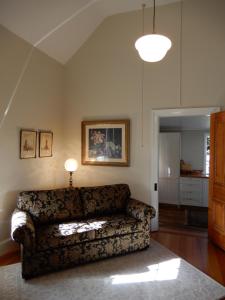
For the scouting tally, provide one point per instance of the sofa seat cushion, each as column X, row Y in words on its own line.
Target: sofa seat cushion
column 63, row 234
column 70, row 233
column 116, row 225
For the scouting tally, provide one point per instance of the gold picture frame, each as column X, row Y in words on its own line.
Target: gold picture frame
column 106, row 143
column 28, row 143
column 45, row 143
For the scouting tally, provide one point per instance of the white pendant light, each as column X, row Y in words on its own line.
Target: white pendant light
column 152, row 47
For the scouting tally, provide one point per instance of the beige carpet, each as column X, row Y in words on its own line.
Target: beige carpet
column 155, row 273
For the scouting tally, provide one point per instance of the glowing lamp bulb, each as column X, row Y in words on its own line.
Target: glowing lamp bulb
column 153, row 47
column 71, row 165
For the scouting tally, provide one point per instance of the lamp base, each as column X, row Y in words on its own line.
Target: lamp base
column 71, row 180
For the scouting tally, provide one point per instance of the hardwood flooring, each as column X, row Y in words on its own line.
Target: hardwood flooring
column 10, row 258
column 189, row 242
column 183, row 215
column 172, row 215
column 193, row 246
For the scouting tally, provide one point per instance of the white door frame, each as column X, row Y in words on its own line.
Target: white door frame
column 155, row 115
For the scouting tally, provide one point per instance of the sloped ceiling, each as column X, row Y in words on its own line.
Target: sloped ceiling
column 60, row 27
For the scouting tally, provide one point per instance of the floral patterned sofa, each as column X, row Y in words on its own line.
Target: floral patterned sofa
column 64, row 227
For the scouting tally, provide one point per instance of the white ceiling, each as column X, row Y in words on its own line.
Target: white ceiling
column 185, row 123
column 60, row 27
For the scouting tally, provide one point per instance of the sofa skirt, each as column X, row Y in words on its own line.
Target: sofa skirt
column 39, row 263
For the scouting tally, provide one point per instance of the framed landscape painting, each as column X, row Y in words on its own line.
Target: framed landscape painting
column 45, row 143
column 105, row 143
column 28, row 140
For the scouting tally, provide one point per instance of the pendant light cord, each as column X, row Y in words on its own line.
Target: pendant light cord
column 142, row 81
column 143, row 18
column 142, row 104
column 154, row 17
column 181, row 50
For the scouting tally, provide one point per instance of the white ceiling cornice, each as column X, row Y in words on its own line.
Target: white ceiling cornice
column 59, row 28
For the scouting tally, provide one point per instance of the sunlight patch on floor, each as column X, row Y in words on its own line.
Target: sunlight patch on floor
column 167, row 270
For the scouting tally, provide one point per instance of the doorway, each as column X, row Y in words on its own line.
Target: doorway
column 156, row 116
column 184, row 172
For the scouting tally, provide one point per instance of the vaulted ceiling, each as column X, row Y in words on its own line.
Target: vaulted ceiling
column 60, row 27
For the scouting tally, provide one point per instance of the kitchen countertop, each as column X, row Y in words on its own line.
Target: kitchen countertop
column 195, row 176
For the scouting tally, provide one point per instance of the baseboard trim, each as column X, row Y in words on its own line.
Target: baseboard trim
column 7, row 246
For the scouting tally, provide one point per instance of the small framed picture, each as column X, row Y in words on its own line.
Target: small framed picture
column 28, row 143
column 45, row 143
column 105, row 143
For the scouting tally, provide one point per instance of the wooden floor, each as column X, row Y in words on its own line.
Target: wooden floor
column 190, row 244
column 193, row 246
column 183, row 215
column 10, row 258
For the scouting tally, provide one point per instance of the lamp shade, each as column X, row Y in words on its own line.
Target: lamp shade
column 71, row 165
column 153, row 47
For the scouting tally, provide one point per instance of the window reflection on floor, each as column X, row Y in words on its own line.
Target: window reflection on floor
column 167, row 270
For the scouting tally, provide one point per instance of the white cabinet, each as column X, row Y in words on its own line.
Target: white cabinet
column 194, row 191
column 169, row 190
column 169, row 167
column 174, row 189
column 169, row 155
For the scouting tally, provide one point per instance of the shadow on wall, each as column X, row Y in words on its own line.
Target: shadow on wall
column 9, row 203
column 6, row 210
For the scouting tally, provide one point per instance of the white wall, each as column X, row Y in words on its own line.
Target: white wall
column 192, row 148
column 104, row 81
column 38, row 105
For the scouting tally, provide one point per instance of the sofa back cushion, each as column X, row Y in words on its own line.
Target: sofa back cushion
column 104, row 199
column 51, row 206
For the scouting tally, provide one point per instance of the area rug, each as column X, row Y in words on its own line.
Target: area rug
column 152, row 274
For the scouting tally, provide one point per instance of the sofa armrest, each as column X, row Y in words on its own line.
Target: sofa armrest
column 140, row 210
column 22, row 229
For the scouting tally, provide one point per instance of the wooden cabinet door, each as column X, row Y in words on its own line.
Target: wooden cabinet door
column 217, row 180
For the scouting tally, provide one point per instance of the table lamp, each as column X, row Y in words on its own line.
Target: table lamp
column 71, row 166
